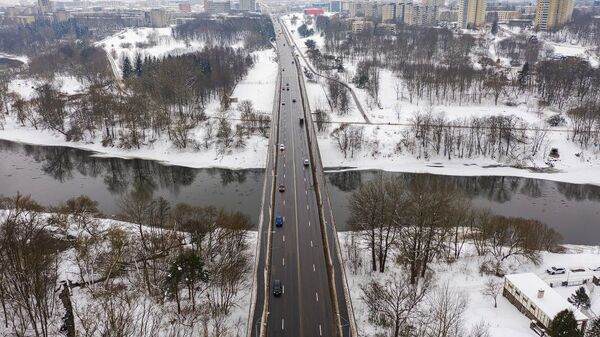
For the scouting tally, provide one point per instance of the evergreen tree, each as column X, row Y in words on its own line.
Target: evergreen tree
column 564, row 325
column 580, row 298
column 138, row 65
column 495, row 25
column 594, row 329
column 187, row 270
column 127, row 69
column 524, row 74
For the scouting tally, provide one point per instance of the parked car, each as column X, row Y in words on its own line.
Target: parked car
column 278, row 221
column 301, row 121
column 306, row 162
column 294, row 100
column 281, row 188
column 577, row 270
column 281, row 147
column 556, row 270
column 277, row 288
column 595, row 269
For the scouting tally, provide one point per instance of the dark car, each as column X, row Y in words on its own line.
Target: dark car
column 277, row 288
column 288, row 89
column 279, row 221
column 281, row 188
column 294, row 100
column 301, row 120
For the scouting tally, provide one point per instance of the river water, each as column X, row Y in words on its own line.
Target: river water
column 53, row 174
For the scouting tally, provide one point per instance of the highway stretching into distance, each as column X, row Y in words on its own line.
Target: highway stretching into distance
column 313, row 300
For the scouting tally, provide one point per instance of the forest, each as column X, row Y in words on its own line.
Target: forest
column 170, row 270
column 436, row 66
column 160, row 97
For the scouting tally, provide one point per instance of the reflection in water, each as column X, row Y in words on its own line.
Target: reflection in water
column 573, row 210
column 54, row 174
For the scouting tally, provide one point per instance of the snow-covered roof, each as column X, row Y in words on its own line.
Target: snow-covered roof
column 551, row 303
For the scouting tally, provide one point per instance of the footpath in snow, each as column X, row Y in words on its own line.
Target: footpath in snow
column 391, row 117
column 258, row 86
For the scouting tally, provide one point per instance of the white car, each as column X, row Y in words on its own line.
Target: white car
column 306, row 162
column 556, row 270
column 282, row 147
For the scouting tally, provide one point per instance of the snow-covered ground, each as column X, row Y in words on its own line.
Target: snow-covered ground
column 145, row 41
column 463, row 276
column 394, row 111
column 258, row 86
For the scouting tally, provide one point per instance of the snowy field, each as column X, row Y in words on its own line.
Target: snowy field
column 463, row 276
column 394, row 112
column 258, row 86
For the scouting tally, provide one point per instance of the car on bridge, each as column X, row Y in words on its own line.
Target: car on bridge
column 281, row 188
column 277, row 288
column 278, row 221
column 281, row 147
column 306, row 162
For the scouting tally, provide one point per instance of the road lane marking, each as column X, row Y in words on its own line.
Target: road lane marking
column 311, row 244
column 317, row 296
column 309, row 223
column 284, row 238
column 306, row 207
column 306, row 192
column 282, row 324
column 283, row 261
column 320, row 331
column 314, row 269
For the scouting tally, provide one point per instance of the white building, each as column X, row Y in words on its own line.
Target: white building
column 537, row 300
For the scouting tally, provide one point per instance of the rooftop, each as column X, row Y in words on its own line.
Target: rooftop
column 551, row 303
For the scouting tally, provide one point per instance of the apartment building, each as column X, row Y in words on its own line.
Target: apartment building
column 471, row 14
column 217, row 7
column 360, row 26
column 248, row 5
column 553, row 14
column 502, row 16
column 387, row 12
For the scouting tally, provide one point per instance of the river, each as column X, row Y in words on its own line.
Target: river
column 53, row 174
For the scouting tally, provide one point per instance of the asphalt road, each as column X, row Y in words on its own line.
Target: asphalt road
column 297, row 255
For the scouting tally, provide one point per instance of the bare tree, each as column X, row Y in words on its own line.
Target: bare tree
column 395, row 303
column 492, row 288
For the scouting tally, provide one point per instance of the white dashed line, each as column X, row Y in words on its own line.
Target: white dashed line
column 284, row 238
column 282, row 324
column 283, row 261
column 311, row 244
column 320, row 332
column 317, row 296
column 314, row 269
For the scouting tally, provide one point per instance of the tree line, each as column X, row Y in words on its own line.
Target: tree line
column 255, row 31
column 163, row 97
column 415, row 222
